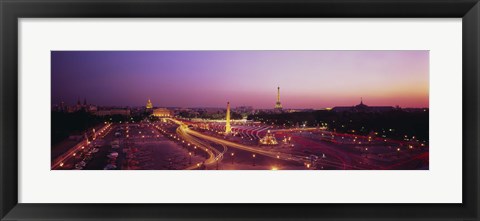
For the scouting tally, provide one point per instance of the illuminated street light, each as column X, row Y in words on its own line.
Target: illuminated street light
column 190, row 153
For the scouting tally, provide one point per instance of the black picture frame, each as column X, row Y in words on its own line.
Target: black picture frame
column 12, row 10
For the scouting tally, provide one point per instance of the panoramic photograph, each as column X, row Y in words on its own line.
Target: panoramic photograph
column 240, row 110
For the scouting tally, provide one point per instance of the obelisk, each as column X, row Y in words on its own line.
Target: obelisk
column 228, row 128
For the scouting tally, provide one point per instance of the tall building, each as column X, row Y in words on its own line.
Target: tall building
column 149, row 104
column 278, row 105
column 228, row 128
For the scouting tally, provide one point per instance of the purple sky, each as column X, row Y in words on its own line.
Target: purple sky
column 307, row 79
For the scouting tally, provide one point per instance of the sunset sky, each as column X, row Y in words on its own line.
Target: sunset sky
column 307, row 79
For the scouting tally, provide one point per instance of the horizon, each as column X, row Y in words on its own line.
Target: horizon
column 233, row 107
column 208, row 79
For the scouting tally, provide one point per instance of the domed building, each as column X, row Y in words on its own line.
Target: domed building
column 363, row 108
column 149, row 104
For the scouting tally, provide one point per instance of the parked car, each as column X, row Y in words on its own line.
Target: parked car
column 110, row 167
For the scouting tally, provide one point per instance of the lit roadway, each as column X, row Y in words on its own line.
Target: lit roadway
column 58, row 162
column 282, row 156
column 215, row 156
column 183, row 129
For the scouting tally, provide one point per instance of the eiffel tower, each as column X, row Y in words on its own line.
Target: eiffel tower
column 278, row 105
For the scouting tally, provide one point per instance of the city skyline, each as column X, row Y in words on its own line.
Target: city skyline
column 308, row 79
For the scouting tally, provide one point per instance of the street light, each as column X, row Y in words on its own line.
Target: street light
column 190, row 153
column 232, row 154
column 253, row 156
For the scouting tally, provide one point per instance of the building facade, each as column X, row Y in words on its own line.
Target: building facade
column 162, row 112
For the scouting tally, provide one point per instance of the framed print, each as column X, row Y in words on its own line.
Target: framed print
column 239, row 110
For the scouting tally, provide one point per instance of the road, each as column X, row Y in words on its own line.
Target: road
column 59, row 161
column 183, row 128
column 213, row 154
column 340, row 154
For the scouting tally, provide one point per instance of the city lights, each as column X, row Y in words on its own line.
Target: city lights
column 218, row 110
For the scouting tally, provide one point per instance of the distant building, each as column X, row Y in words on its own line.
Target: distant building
column 244, row 109
column 363, row 108
column 123, row 112
column 212, row 110
column 149, row 104
column 79, row 106
column 92, row 108
column 162, row 112
column 415, row 110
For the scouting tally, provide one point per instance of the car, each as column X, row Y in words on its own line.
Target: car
column 110, row 167
column 113, row 155
column 79, row 166
column 313, row 157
